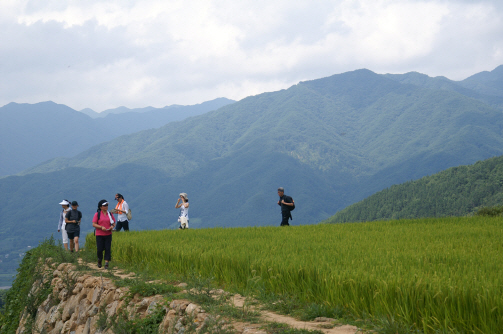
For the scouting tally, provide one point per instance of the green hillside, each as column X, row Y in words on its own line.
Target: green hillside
column 457, row 191
column 330, row 142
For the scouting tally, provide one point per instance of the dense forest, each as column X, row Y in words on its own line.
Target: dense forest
column 456, row 191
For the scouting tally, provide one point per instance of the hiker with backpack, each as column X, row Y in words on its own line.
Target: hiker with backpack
column 72, row 220
column 287, row 206
column 65, row 204
column 122, row 211
column 183, row 219
column 104, row 223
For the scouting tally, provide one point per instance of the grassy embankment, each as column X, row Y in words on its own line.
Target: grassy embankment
column 438, row 274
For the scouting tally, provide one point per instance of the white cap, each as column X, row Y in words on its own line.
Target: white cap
column 64, row 202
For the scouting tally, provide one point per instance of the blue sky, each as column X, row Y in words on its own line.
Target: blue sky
column 105, row 54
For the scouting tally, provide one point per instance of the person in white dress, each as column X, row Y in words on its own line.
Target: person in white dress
column 65, row 204
column 184, row 211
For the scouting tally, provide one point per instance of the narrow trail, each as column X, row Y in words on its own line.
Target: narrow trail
column 239, row 301
column 266, row 316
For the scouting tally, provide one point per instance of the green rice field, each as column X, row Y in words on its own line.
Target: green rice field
column 437, row 275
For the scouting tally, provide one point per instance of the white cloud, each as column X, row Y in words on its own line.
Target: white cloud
column 104, row 54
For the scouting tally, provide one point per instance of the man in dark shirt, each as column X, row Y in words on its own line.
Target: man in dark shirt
column 287, row 204
column 73, row 219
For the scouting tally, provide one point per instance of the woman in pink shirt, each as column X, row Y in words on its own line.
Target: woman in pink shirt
column 104, row 223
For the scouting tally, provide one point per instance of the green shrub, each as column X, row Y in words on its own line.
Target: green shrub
column 20, row 297
column 491, row 211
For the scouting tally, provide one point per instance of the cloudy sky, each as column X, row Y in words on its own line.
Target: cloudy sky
column 137, row 53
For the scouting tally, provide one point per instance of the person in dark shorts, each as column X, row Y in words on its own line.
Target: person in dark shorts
column 104, row 223
column 72, row 219
column 286, row 203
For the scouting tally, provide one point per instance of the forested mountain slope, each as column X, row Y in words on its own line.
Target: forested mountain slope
column 457, row 191
column 357, row 123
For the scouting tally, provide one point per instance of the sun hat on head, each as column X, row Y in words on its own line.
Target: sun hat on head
column 64, row 202
column 74, row 203
column 100, row 204
column 184, row 195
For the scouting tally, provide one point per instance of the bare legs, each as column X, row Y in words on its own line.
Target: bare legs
column 74, row 244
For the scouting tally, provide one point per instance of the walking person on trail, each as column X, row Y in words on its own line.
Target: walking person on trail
column 183, row 219
column 121, row 209
column 72, row 219
column 287, row 205
column 104, row 223
column 62, row 223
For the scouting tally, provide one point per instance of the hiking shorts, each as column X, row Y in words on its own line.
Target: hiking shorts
column 73, row 235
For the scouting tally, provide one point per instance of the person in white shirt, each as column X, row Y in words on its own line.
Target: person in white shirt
column 121, row 209
column 184, row 211
column 65, row 204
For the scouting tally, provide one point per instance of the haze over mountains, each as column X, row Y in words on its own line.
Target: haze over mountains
column 330, row 142
column 33, row 133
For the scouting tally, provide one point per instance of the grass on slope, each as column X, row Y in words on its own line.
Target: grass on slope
column 428, row 274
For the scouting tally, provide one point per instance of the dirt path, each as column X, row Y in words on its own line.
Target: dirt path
column 267, row 316
column 239, row 301
column 116, row 272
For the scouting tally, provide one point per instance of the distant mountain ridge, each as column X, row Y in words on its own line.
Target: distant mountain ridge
column 33, row 133
column 486, row 82
column 457, row 191
column 485, row 86
column 121, row 110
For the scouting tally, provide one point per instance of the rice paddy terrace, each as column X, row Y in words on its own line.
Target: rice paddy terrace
column 432, row 274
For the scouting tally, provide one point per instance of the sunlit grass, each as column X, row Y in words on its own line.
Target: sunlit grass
column 444, row 273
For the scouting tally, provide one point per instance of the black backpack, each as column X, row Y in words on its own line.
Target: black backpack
column 290, row 208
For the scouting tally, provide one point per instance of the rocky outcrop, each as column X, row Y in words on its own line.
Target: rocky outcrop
column 83, row 304
column 80, row 303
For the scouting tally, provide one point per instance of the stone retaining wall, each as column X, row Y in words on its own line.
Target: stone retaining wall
column 78, row 300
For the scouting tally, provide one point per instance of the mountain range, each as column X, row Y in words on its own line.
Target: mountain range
column 33, row 133
column 330, row 142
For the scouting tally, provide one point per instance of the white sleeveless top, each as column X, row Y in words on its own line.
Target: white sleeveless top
column 184, row 212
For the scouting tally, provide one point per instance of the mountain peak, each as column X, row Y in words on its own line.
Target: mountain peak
column 498, row 70
column 488, row 83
